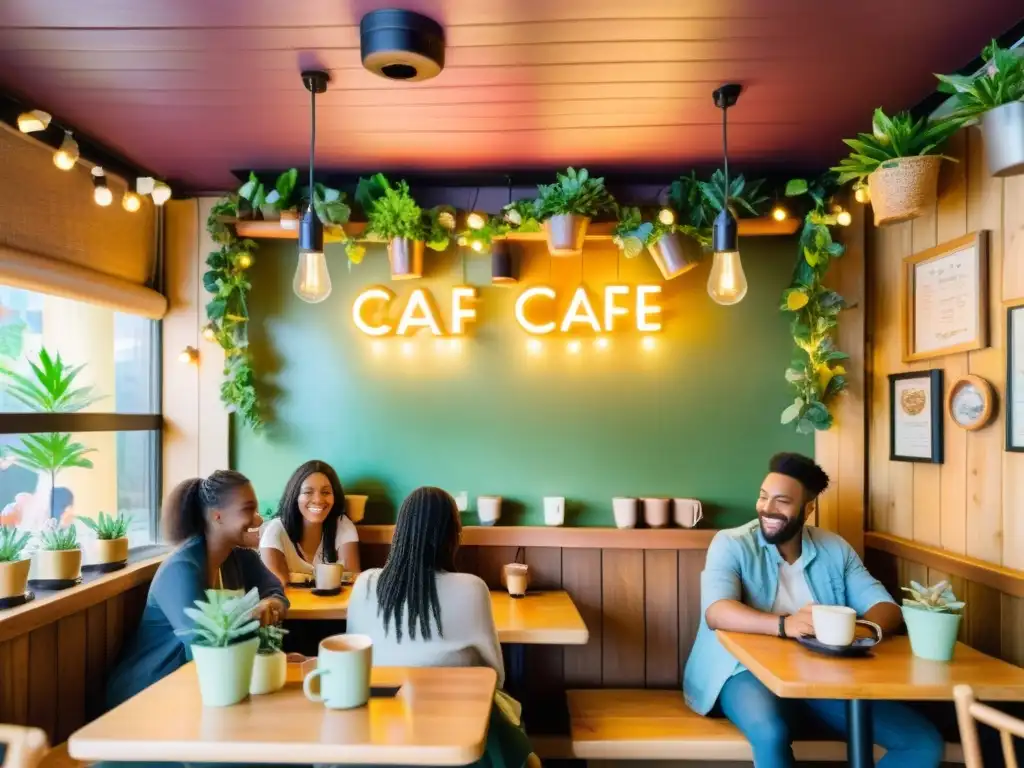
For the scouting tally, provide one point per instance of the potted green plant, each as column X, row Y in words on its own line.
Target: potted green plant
column 663, row 238
column 566, row 208
column 59, row 557
column 393, row 216
column 900, row 160
column 932, row 616
column 224, row 644
column 697, row 202
column 111, row 545
column 995, row 96
column 14, row 566
column 270, row 667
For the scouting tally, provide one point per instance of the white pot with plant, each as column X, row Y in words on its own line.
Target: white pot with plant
column 567, row 207
column 224, row 644
column 900, row 162
column 932, row 616
column 111, row 544
column 270, row 668
column 14, row 566
column 59, row 557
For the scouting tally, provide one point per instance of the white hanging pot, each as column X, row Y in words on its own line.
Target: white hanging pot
column 1003, row 131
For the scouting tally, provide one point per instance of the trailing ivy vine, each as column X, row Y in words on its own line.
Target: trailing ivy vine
column 227, row 313
column 816, row 373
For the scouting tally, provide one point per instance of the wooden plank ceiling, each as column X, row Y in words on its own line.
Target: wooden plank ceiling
column 195, row 88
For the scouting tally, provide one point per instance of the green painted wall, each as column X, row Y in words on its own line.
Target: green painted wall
column 697, row 416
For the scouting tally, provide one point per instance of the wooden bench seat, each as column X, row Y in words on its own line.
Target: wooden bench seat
column 657, row 725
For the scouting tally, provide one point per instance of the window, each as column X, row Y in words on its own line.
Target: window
column 118, row 355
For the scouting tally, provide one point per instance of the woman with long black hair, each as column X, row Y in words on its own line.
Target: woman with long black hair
column 311, row 526
column 420, row 612
column 215, row 523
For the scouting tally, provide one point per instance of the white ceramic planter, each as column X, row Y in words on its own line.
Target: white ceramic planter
column 656, row 512
column 269, row 673
column 554, row 510
column 58, row 564
column 110, row 550
column 14, row 578
column 1003, row 131
column 624, row 510
column 488, row 509
column 225, row 673
column 355, row 507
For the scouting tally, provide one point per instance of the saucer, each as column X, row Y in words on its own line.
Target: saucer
column 860, row 647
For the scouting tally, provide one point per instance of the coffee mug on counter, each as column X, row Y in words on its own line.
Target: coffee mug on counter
column 554, row 510
column 328, row 575
column 688, row 512
column 837, row 624
column 624, row 511
column 517, row 579
column 343, row 666
column 488, row 509
column 656, row 512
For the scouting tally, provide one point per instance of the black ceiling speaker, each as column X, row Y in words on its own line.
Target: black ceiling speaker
column 401, row 45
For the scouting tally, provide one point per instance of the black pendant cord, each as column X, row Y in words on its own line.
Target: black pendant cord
column 312, row 142
column 725, row 152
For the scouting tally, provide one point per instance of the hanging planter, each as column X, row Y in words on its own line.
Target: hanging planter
column 566, row 233
column 904, row 189
column 567, row 207
column 406, row 257
column 1003, row 131
column 671, row 254
column 504, row 266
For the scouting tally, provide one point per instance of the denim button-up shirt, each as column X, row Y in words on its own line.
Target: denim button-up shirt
column 742, row 566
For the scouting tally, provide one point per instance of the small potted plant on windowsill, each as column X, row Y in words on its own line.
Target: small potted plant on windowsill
column 270, row 667
column 567, row 206
column 932, row 616
column 110, row 549
column 59, row 557
column 995, row 96
column 224, row 644
column 14, row 566
column 900, row 160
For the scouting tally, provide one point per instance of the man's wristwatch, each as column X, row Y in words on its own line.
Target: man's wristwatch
column 782, row 625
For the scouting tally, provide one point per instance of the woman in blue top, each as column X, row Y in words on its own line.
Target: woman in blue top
column 215, row 522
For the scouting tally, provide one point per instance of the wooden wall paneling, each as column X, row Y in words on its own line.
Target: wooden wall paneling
column 95, row 660
column 901, row 473
column 545, row 567
column 1013, row 288
column 881, row 328
column 466, row 559
column 690, row 566
column 114, row 636
column 6, row 682
column 19, row 655
column 983, row 614
column 42, row 691
column 661, row 617
column 1012, row 641
column 622, row 578
column 491, row 561
column 71, row 666
column 885, row 568
column 375, row 555
column 582, row 579
column 545, row 663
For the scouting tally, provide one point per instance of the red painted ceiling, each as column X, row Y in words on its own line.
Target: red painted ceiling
column 195, row 88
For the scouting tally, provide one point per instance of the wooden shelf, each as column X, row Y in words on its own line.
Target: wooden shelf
column 565, row 537
column 258, row 230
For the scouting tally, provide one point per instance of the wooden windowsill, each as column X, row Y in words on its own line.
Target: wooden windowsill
column 53, row 606
column 1010, row 581
column 566, row 538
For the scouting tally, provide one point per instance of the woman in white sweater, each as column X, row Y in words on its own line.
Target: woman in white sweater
column 421, row 613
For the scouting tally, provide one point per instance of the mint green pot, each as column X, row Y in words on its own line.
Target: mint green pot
column 225, row 673
column 932, row 635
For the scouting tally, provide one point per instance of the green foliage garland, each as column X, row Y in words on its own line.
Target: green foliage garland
column 227, row 312
column 816, row 373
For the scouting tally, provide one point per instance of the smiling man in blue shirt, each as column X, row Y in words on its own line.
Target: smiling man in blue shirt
column 762, row 578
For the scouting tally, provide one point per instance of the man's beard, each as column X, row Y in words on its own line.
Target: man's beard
column 790, row 530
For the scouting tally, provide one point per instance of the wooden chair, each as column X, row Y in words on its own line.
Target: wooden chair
column 25, row 747
column 970, row 712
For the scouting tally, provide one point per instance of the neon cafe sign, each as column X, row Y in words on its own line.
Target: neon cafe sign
column 617, row 302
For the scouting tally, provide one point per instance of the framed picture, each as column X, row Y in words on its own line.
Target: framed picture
column 1015, row 376
column 915, row 416
column 970, row 402
column 945, row 298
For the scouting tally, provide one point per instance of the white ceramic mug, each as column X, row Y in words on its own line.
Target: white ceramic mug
column 656, row 512
column 488, row 508
column 837, row 624
column 554, row 510
column 343, row 667
column 688, row 512
column 624, row 510
column 328, row 575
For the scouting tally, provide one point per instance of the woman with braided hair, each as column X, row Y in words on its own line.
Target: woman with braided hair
column 216, row 526
column 420, row 612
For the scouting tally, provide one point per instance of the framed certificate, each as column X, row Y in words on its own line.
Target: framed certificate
column 915, row 416
column 945, row 298
column 1015, row 376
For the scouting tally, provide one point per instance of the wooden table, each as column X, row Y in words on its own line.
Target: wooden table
column 439, row 717
column 791, row 671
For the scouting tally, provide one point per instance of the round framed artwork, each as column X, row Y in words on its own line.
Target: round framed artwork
column 969, row 402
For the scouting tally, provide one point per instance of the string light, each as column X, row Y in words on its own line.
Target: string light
column 862, row 194
column 476, row 220
column 161, row 193
column 844, row 219
column 244, row 261
column 101, row 193
column 667, row 216
column 779, row 213
column 32, row 121
column 188, row 355
column 447, row 220
column 477, row 246
column 131, row 202
column 462, row 241
column 67, row 154
column 209, row 333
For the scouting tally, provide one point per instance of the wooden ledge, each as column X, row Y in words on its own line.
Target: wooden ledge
column 566, row 538
column 1007, row 580
column 53, row 606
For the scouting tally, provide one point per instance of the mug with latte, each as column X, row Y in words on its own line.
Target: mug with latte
column 343, row 672
column 837, row 625
column 328, row 575
column 517, row 579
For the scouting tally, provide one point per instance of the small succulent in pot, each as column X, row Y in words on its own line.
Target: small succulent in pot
column 938, row 598
column 574, row 193
column 108, row 527
column 12, row 543
column 14, row 566
column 53, row 538
column 270, row 669
column 59, row 558
column 932, row 615
column 271, row 638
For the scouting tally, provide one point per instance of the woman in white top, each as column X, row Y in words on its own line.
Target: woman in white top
column 311, row 526
column 420, row 613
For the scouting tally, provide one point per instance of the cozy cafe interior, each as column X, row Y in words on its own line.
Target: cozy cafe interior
column 461, row 383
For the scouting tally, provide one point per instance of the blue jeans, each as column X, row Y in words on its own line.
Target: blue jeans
column 770, row 724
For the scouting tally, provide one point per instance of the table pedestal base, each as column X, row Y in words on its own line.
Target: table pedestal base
column 860, row 747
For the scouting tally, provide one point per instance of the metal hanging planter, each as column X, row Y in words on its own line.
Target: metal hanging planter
column 406, row 257
column 674, row 254
column 504, row 263
column 566, row 233
column 1003, row 131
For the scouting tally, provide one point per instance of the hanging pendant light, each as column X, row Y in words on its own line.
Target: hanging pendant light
column 312, row 281
column 504, row 259
column 727, row 284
